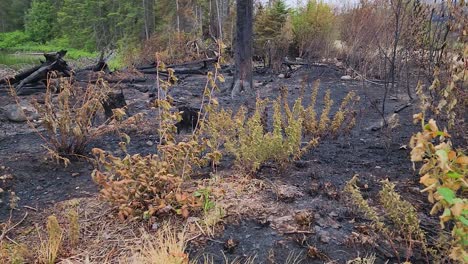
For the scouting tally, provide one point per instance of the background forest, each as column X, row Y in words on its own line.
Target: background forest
column 128, row 26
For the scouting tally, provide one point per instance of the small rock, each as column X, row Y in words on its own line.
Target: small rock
column 6, row 177
column 281, row 76
column 149, row 143
column 346, row 78
column 324, row 236
column 378, row 167
column 333, row 214
column 257, row 84
column 288, row 193
column 14, row 113
column 17, row 113
column 39, row 188
column 154, row 226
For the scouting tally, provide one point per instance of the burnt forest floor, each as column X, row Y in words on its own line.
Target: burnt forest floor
column 261, row 223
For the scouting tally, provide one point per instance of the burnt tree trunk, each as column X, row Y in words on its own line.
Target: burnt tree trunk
column 243, row 48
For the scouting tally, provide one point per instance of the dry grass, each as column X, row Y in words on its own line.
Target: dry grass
column 166, row 247
column 49, row 249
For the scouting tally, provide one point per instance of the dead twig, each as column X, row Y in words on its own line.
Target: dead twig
column 30, row 208
column 7, row 229
column 299, row 232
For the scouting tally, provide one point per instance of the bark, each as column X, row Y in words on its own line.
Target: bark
column 243, row 48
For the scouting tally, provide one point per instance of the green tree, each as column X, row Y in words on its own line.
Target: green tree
column 40, row 20
column 268, row 31
column 313, row 27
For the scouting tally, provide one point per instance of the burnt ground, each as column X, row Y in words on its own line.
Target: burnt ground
column 266, row 228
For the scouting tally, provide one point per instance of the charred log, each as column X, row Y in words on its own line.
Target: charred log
column 189, row 119
column 54, row 63
column 114, row 100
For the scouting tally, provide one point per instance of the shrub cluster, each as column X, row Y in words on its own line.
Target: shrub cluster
column 71, row 119
column 400, row 212
column 444, row 174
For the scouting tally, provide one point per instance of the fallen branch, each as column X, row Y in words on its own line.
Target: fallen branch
column 6, row 229
column 205, row 62
column 200, row 71
column 402, row 108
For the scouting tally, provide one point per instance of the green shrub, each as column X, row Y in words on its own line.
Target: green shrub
column 12, row 39
column 313, row 28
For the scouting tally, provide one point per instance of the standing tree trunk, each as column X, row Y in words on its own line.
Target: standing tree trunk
column 215, row 26
column 220, row 23
column 178, row 16
column 148, row 17
column 243, row 48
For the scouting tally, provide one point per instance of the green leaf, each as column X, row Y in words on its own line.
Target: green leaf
column 463, row 220
column 146, row 215
column 453, row 175
column 447, row 194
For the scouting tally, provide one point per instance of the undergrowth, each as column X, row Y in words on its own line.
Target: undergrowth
column 405, row 233
column 72, row 118
column 144, row 186
column 444, row 175
column 248, row 139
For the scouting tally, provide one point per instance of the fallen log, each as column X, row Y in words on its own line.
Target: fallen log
column 54, row 56
column 43, row 72
column 20, row 76
column 205, row 63
column 199, row 71
column 290, row 63
column 27, row 89
column 53, row 62
column 113, row 80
